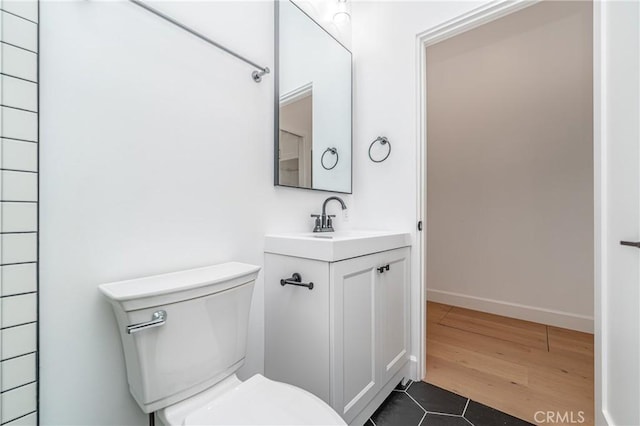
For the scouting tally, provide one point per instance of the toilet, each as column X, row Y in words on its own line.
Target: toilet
column 184, row 336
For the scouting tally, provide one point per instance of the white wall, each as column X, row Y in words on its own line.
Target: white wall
column 385, row 104
column 157, row 155
column 510, row 166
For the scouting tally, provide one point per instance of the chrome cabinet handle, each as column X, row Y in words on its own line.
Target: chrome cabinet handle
column 157, row 319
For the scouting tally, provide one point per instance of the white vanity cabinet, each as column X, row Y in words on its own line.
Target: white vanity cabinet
column 369, row 307
column 347, row 339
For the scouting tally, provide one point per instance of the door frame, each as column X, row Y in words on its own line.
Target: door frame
column 599, row 212
column 462, row 23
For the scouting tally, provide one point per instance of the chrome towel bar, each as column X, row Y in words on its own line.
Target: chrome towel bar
column 256, row 75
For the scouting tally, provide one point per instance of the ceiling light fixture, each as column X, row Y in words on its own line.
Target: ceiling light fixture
column 342, row 15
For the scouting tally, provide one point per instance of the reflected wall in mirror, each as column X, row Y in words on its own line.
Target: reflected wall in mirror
column 313, row 104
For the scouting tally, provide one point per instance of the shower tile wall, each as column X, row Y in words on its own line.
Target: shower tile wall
column 18, row 211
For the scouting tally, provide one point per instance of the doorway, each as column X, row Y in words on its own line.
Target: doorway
column 509, row 174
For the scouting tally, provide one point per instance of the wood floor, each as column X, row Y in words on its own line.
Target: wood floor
column 515, row 366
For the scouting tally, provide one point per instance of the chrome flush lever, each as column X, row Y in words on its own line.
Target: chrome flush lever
column 157, row 319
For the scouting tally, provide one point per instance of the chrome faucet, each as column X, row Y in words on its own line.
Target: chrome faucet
column 324, row 222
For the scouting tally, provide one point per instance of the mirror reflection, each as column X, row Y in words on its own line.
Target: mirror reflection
column 313, row 114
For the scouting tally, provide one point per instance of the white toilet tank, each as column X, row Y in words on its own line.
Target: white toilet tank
column 201, row 339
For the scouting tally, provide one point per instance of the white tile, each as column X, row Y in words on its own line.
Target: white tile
column 29, row 420
column 18, row 371
column 18, row 62
column 19, row 32
column 15, row 279
column 18, row 310
column 19, row 93
column 19, row 217
column 19, row 155
column 19, row 186
column 17, row 124
column 18, row 248
column 18, row 341
column 18, row 402
column 26, row 8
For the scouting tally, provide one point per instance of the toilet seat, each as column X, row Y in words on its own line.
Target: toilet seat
column 256, row 401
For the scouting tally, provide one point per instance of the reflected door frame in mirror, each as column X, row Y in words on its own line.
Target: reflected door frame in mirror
column 313, row 104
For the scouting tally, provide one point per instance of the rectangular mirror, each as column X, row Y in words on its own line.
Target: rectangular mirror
column 312, row 105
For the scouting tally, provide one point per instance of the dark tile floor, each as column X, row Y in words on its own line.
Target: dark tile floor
column 423, row 404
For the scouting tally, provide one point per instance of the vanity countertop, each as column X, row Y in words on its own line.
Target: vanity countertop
column 335, row 246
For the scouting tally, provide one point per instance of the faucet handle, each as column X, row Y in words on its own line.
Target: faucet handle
column 318, row 224
column 330, row 221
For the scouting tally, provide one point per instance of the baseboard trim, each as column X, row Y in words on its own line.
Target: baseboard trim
column 514, row 310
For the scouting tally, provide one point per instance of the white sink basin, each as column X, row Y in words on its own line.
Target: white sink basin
column 335, row 246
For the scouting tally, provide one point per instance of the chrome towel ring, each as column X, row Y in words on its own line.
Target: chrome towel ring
column 383, row 141
column 333, row 151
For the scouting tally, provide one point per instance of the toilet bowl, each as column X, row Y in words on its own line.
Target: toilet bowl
column 256, row 401
column 184, row 336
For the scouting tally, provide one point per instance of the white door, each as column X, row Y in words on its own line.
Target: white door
column 618, row 312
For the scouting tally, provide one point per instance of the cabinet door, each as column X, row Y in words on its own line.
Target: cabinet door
column 297, row 324
column 394, row 312
column 355, row 372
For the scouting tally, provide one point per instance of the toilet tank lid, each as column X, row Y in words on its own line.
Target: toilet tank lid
column 178, row 281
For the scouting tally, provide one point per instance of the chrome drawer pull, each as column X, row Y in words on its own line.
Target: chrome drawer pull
column 157, row 319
